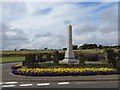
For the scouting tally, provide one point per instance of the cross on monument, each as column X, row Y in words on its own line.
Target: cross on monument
column 69, row 54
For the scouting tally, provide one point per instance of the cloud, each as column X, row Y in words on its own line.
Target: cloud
column 49, row 40
column 106, row 15
column 44, row 24
column 12, row 11
column 87, row 28
column 39, row 8
column 13, row 38
column 47, row 34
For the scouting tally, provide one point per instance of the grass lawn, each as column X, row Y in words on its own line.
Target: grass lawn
column 11, row 59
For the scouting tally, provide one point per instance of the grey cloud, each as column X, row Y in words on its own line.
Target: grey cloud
column 105, row 24
column 106, row 29
column 109, row 15
column 109, row 29
column 15, row 41
column 47, row 34
column 59, row 40
column 66, row 22
column 108, row 20
column 105, row 39
column 108, row 39
column 13, row 11
column 51, row 41
column 86, row 29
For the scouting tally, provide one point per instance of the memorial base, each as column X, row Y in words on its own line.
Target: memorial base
column 70, row 61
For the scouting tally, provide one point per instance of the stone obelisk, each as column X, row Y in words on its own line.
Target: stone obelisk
column 69, row 54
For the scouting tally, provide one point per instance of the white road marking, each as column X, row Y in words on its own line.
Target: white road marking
column 1, row 83
column 61, row 83
column 24, row 85
column 8, row 86
column 43, row 84
column 10, row 82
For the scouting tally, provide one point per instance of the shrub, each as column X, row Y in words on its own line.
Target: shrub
column 30, row 59
column 110, row 57
column 61, row 56
column 91, row 57
column 39, row 57
column 56, row 57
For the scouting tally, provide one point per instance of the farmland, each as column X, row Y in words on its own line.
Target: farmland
column 48, row 51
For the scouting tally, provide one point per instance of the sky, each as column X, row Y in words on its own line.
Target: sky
column 37, row 25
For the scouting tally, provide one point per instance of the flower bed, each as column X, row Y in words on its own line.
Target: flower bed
column 19, row 70
column 17, row 66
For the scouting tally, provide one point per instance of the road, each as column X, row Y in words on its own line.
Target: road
column 98, row 81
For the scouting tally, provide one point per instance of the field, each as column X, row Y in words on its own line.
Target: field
column 11, row 59
column 11, row 56
column 7, row 53
column 50, row 51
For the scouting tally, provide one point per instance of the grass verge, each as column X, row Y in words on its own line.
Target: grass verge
column 11, row 59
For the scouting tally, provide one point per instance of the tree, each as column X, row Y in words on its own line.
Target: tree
column 45, row 48
column 89, row 46
column 100, row 46
column 64, row 48
column 75, row 47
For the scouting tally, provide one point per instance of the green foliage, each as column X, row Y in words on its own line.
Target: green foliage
column 30, row 59
column 75, row 47
column 81, row 58
column 61, row 56
column 49, row 56
column 39, row 57
column 111, row 57
column 117, row 61
column 88, row 46
column 91, row 57
column 58, row 65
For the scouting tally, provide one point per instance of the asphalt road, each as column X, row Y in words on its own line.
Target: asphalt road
column 99, row 81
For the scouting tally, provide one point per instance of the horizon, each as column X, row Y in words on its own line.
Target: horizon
column 108, row 46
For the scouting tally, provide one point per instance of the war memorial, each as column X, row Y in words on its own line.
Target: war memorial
column 68, row 63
